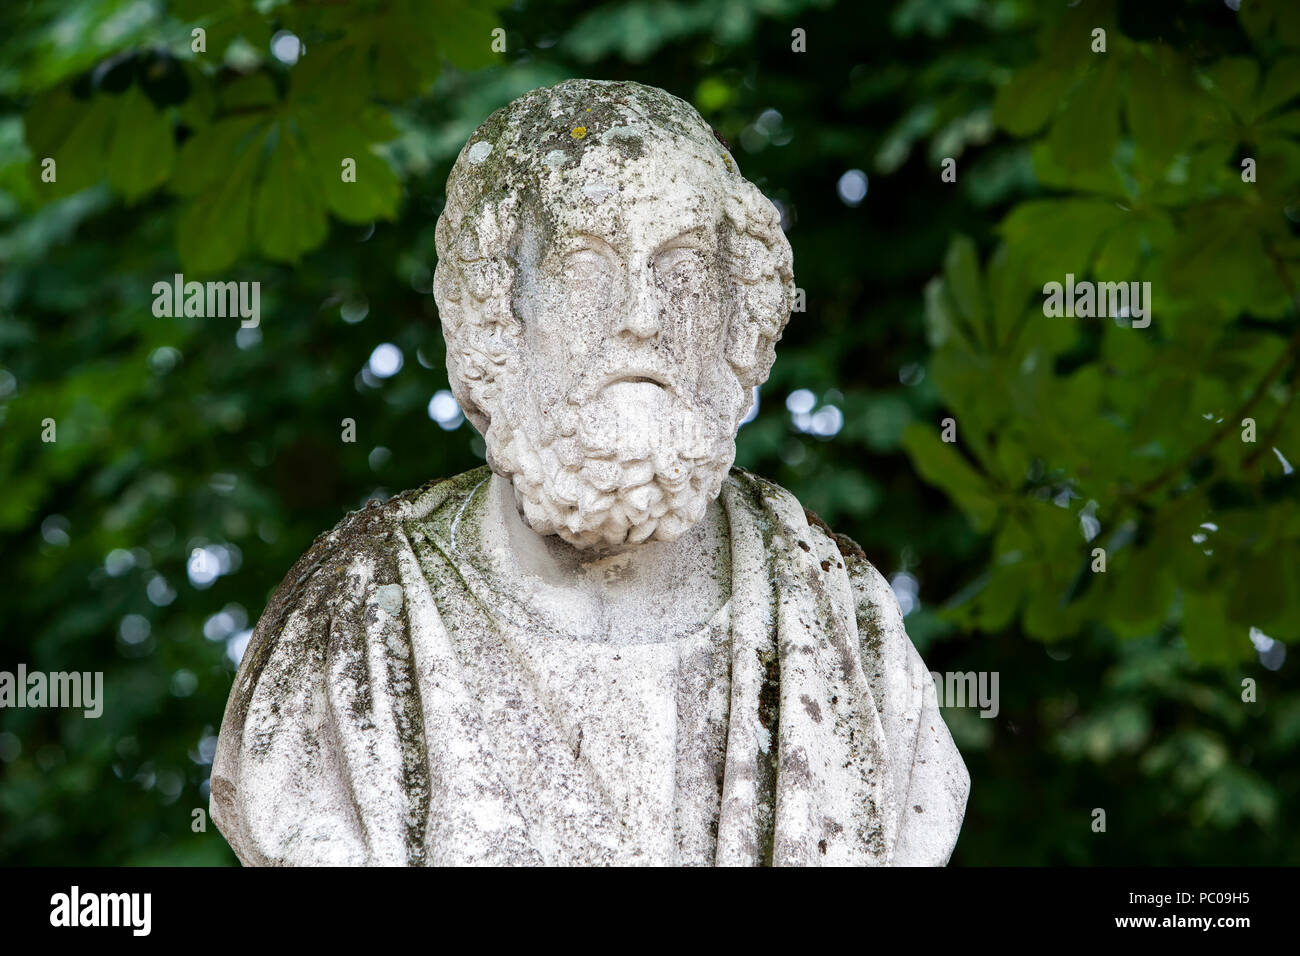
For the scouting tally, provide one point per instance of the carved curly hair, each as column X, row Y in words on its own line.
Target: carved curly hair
column 515, row 153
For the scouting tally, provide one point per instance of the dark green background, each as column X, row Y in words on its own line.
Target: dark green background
column 1120, row 691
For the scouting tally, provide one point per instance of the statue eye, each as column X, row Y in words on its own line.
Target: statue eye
column 586, row 265
column 589, row 279
column 680, row 269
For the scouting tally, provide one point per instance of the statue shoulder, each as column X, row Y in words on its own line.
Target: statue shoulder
column 308, row 663
column 881, row 632
column 933, row 776
column 860, row 569
column 880, row 619
column 364, row 541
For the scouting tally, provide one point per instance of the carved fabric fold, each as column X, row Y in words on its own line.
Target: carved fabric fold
column 355, row 729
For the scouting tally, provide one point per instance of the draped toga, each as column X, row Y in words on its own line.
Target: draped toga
column 392, row 708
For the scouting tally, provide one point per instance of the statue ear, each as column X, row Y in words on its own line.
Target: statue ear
column 473, row 286
column 762, row 282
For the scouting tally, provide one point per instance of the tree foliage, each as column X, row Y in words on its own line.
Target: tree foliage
column 1081, row 433
column 196, row 460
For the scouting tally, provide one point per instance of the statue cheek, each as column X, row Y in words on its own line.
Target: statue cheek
column 590, row 297
column 571, row 311
column 485, row 277
column 447, row 282
column 742, row 341
column 768, row 303
column 560, row 337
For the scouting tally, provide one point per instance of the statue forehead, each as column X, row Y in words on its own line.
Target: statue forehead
column 644, row 202
column 620, row 160
column 579, row 115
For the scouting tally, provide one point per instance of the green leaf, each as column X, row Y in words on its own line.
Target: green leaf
column 941, row 322
column 1234, row 80
column 1219, row 255
column 1270, row 22
column 962, row 277
column 1161, row 102
column 376, row 191
column 1261, row 593
column 464, row 32
column 1035, row 92
column 1117, row 259
column 205, row 159
column 143, row 146
column 1281, row 86
column 214, row 229
column 1140, row 589
column 1085, row 134
column 1014, row 298
column 288, row 216
column 1048, row 238
column 254, row 91
column 1210, row 638
column 75, row 134
column 941, row 464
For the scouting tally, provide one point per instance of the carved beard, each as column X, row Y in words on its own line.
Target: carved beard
column 636, row 463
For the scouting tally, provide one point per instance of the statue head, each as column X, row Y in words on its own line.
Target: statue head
column 611, row 290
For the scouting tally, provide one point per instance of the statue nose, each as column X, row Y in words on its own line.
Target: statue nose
column 641, row 321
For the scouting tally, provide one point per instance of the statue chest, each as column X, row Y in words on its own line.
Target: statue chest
column 612, row 752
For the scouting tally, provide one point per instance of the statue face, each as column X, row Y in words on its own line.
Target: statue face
column 620, row 424
column 628, row 290
column 610, row 288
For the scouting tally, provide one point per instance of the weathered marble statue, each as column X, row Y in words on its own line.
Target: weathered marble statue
column 612, row 647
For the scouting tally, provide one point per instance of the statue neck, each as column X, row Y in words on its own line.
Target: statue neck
column 680, row 583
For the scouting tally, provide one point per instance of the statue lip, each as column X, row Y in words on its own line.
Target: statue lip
column 637, row 375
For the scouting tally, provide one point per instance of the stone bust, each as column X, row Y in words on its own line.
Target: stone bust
column 608, row 646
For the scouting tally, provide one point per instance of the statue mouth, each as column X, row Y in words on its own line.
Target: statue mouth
column 637, row 377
